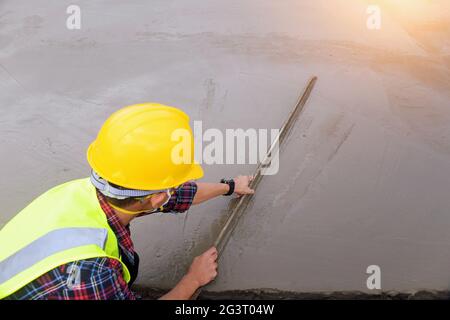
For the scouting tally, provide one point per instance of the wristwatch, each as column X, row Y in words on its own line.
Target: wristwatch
column 230, row 183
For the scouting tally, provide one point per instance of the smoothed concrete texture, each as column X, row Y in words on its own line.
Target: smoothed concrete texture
column 364, row 177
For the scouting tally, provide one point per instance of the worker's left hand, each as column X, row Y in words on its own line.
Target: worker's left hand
column 241, row 185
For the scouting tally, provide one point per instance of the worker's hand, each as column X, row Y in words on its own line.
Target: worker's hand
column 241, row 185
column 203, row 269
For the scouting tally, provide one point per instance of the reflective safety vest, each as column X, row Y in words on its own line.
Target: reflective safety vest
column 64, row 224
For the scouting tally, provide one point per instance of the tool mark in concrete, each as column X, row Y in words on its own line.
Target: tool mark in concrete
column 223, row 100
column 184, row 222
column 330, row 158
column 50, row 145
column 33, row 22
column 13, row 78
column 341, row 142
column 382, row 165
column 210, row 88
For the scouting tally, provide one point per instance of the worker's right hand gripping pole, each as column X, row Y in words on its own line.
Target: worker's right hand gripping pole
column 237, row 206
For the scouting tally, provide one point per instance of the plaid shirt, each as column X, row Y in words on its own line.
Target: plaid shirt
column 98, row 278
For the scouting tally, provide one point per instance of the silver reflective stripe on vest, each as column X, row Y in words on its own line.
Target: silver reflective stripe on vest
column 53, row 242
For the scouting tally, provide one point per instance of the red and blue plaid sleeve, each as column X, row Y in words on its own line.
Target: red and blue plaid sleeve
column 182, row 197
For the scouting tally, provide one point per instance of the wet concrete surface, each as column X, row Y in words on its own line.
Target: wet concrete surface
column 364, row 178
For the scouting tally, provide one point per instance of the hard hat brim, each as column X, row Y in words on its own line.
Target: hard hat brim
column 196, row 172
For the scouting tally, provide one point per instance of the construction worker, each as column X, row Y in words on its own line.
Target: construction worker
column 73, row 242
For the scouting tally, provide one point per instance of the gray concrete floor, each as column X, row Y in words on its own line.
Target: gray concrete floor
column 364, row 177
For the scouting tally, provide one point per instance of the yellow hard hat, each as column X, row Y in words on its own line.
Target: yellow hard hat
column 134, row 148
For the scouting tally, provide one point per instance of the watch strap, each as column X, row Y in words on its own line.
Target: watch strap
column 230, row 184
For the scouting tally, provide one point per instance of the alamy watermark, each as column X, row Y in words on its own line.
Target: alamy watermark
column 374, row 17
column 234, row 146
column 73, row 21
column 374, row 280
